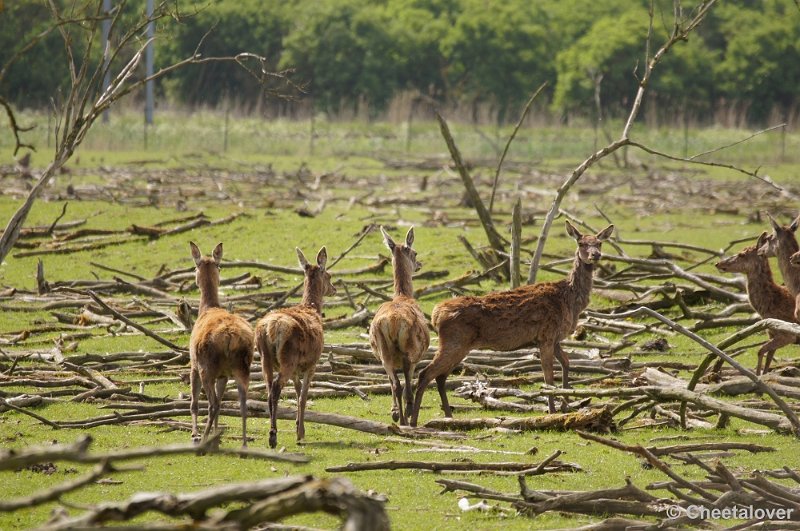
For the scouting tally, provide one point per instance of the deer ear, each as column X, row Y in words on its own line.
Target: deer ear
column 217, row 253
column 775, row 225
column 762, row 241
column 605, row 234
column 301, row 258
column 196, row 254
column 795, row 224
column 410, row 237
column 572, row 231
column 388, row 239
column 322, row 257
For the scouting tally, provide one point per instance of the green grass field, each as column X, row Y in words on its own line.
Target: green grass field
column 366, row 175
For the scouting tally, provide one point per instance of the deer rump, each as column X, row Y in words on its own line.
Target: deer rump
column 297, row 330
column 508, row 320
column 225, row 341
column 403, row 321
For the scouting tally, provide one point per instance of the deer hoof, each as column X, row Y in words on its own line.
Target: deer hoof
column 273, row 439
column 196, row 440
column 395, row 416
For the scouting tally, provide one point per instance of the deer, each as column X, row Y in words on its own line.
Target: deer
column 290, row 341
column 794, row 261
column 220, row 347
column 543, row 314
column 766, row 297
column 398, row 333
column 782, row 244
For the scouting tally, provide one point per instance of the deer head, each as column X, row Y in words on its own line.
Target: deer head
column 403, row 255
column 782, row 237
column 206, row 274
column 745, row 259
column 318, row 280
column 589, row 245
column 207, row 267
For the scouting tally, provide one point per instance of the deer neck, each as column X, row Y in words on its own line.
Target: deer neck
column 312, row 294
column 580, row 283
column 758, row 278
column 209, row 296
column 791, row 275
column 402, row 279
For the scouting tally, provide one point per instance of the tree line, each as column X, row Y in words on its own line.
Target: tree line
column 472, row 53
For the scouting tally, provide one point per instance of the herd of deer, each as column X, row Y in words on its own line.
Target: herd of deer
column 290, row 340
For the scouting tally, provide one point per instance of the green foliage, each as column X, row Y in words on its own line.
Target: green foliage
column 360, row 54
column 35, row 78
column 760, row 66
column 499, row 53
column 222, row 29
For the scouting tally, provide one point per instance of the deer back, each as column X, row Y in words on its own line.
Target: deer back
column 508, row 320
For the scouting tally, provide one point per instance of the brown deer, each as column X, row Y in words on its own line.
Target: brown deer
column 398, row 333
column 290, row 340
column 782, row 243
column 543, row 313
column 767, row 298
column 220, row 347
column 794, row 261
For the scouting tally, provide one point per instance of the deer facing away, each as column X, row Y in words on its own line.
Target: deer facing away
column 291, row 339
column 543, row 314
column 767, row 298
column 220, row 347
column 398, row 333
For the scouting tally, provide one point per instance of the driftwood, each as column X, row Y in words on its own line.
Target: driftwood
column 723, row 490
column 77, row 452
column 590, row 419
column 265, row 501
column 461, row 466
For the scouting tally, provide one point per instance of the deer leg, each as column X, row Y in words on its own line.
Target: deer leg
column 769, row 348
column 266, row 363
column 298, row 391
column 394, row 384
column 422, row 383
column 717, row 366
column 274, row 394
column 242, row 387
column 222, row 381
column 441, row 380
column 209, row 385
column 546, row 352
column 563, row 359
column 301, row 406
column 408, row 393
column 448, row 356
column 194, row 380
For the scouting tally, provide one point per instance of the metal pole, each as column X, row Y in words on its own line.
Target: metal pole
column 106, row 29
column 148, row 64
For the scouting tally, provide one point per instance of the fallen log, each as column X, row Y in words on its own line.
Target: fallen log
column 264, row 501
column 459, row 466
column 599, row 420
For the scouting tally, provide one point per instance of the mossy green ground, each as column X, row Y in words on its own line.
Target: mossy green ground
column 270, row 234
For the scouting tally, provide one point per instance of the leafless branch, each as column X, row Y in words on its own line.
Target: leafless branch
column 680, row 32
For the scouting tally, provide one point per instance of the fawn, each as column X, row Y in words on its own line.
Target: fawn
column 220, row 347
column 767, row 298
column 398, row 333
column 290, row 340
column 543, row 314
